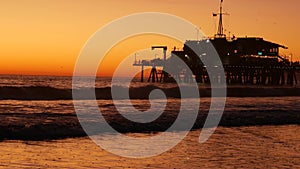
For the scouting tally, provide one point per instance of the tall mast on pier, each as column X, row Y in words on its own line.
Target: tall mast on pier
column 220, row 32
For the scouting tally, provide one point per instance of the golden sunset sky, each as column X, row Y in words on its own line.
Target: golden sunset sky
column 44, row 37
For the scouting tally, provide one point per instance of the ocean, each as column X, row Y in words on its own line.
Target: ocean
column 39, row 127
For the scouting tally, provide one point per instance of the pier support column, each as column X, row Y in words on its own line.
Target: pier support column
column 142, row 74
column 153, row 75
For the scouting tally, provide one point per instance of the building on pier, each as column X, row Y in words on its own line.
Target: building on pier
column 246, row 60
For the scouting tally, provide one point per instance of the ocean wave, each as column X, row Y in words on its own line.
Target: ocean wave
column 50, row 93
column 50, row 126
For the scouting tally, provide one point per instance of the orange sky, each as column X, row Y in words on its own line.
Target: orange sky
column 46, row 36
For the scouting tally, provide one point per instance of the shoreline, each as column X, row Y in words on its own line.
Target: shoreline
column 244, row 147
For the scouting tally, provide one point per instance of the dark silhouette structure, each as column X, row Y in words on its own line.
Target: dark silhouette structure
column 246, row 60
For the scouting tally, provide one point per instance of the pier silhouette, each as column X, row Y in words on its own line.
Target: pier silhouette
column 245, row 60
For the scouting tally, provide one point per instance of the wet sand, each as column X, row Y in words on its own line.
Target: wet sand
column 240, row 147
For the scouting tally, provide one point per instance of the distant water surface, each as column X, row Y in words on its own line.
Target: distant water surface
column 256, row 132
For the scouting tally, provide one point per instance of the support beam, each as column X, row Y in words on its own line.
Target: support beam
column 142, row 74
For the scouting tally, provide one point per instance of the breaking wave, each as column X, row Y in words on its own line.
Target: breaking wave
column 58, row 126
column 104, row 93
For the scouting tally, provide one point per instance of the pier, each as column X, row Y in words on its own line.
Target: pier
column 245, row 60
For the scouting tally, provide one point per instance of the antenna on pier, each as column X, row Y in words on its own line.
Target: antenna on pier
column 220, row 32
column 135, row 61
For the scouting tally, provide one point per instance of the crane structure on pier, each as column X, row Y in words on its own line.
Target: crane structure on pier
column 154, row 63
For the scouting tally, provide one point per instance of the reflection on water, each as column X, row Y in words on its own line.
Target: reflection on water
column 57, row 119
column 231, row 147
column 242, row 147
column 232, row 104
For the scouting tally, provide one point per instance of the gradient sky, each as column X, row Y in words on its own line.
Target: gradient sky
column 45, row 37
